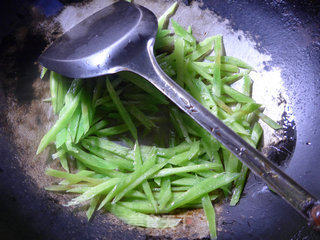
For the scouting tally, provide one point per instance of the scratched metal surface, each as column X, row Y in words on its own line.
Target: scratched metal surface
column 277, row 38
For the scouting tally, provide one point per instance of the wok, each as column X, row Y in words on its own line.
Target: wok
column 287, row 31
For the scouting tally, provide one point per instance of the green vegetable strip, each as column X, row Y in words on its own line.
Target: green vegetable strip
column 86, row 116
column 58, row 154
column 210, row 143
column 222, row 105
column 177, row 194
column 47, row 99
column 140, row 116
column 116, row 160
column 134, row 194
column 150, row 157
column 164, row 42
column 231, row 163
column 247, row 85
column 114, row 116
column 54, row 90
column 235, row 61
column 94, row 191
column 62, row 91
column 217, row 84
column 145, row 184
column 174, row 189
column 142, row 97
column 163, row 152
column 122, row 111
column 43, row 72
column 235, row 126
column 143, row 84
column 176, row 126
column 208, row 67
column 108, row 145
column 244, row 111
column 143, row 206
column 94, row 162
column 96, row 127
column 163, row 20
column 189, row 30
column 256, row 133
column 160, row 34
column 200, row 92
column 210, row 214
column 203, row 48
column 186, row 156
column 180, row 125
column 165, row 192
column 131, row 181
column 62, row 122
column 140, row 219
column 101, row 101
column 137, row 156
column 58, row 88
column 269, row 121
column 180, row 31
column 93, row 204
column 233, row 78
column 237, row 95
column 123, row 185
column 140, row 179
column 74, row 88
column 203, row 187
column 97, row 92
column 232, row 61
column 57, row 188
column 112, row 130
column 80, row 165
column 74, row 123
column 140, row 206
column 78, row 189
column 193, row 168
column 64, row 162
column 80, row 176
column 108, row 107
column 145, row 106
column 179, row 57
column 240, row 182
column 201, row 71
column 72, row 178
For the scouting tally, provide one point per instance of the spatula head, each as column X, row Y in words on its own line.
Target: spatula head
column 105, row 42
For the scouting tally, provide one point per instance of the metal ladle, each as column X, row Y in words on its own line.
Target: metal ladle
column 121, row 37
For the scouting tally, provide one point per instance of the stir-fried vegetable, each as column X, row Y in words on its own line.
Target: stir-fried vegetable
column 133, row 180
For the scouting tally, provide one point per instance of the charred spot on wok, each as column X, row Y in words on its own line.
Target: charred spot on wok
column 281, row 151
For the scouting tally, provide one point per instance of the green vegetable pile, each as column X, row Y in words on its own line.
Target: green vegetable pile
column 102, row 122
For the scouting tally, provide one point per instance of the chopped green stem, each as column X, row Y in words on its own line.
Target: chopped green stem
column 203, row 187
column 139, row 219
column 210, row 214
column 122, row 111
column 122, row 128
column 62, row 122
column 163, row 20
column 192, row 168
column 217, row 84
column 269, row 121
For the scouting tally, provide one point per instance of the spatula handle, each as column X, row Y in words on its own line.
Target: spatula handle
column 306, row 204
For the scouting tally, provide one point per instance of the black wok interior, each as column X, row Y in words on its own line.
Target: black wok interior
column 289, row 30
